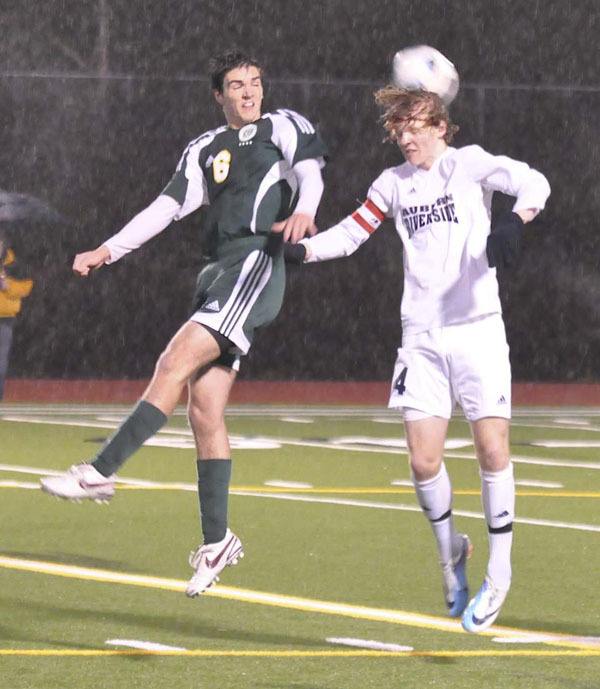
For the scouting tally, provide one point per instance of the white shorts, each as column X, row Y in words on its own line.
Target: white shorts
column 466, row 363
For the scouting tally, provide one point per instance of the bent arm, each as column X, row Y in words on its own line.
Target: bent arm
column 310, row 186
column 310, row 190
column 513, row 177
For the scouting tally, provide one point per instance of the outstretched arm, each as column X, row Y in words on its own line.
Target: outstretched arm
column 342, row 239
column 145, row 225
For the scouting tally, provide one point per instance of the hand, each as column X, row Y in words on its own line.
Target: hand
column 90, row 260
column 503, row 241
column 296, row 227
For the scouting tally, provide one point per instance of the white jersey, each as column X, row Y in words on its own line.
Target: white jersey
column 443, row 218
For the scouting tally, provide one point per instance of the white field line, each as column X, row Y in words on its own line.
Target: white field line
column 143, row 645
column 394, row 446
column 362, row 612
column 337, row 411
column 398, row 443
column 179, row 439
column 537, row 484
column 398, row 450
column 520, row 639
column 580, row 427
column 92, row 423
column 37, row 471
column 413, row 508
column 542, row 638
column 536, row 461
column 573, row 422
column 367, row 643
column 192, row 488
column 20, row 484
column 566, row 444
column 296, row 419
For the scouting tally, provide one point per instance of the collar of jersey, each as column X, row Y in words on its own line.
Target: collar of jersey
column 436, row 163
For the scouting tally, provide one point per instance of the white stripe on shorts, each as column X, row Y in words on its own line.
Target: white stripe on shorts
column 229, row 321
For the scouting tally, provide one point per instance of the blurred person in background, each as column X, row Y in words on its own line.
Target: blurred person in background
column 15, row 285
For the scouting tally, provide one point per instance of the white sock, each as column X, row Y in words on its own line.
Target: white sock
column 498, row 498
column 435, row 497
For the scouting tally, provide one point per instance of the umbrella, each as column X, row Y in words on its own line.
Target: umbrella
column 24, row 220
column 15, row 207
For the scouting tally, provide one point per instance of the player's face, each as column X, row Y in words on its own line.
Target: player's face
column 242, row 96
column 421, row 143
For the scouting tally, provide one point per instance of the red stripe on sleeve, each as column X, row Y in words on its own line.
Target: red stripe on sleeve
column 377, row 212
column 356, row 216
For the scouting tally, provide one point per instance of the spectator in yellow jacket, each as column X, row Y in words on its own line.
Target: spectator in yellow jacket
column 13, row 289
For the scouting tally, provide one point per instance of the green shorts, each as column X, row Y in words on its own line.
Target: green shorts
column 240, row 292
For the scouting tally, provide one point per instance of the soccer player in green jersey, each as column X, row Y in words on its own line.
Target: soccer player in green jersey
column 254, row 172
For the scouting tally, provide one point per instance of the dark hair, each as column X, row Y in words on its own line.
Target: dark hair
column 400, row 106
column 219, row 65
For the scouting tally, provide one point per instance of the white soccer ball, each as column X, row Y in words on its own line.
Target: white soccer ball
column 424, row 67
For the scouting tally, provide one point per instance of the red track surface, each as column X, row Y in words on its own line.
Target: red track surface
column 281, row 392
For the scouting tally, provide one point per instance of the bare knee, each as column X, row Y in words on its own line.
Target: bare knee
column 491, row 437
column 424, row 468
column 425, row 462
column 493, row 455
column 167, row 366
column 425, row 440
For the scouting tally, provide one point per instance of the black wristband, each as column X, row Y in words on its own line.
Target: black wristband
column 294, row 253
column 274, row 242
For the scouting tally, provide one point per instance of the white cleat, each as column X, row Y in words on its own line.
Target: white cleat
column 482, row 611
column 456, row 587
column 80, row 482
column 209, row 560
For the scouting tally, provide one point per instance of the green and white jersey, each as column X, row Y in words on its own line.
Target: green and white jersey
column 244, row 176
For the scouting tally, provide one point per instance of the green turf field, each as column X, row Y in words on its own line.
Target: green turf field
column 340, row 587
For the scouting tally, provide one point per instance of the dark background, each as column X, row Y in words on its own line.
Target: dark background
column 99, row 97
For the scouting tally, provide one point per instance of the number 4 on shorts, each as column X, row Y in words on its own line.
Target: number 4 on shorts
column 399, row 386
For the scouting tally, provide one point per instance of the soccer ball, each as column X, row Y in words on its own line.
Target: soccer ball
column 424, row 67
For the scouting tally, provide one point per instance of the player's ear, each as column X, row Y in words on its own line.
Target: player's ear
column 218, row 97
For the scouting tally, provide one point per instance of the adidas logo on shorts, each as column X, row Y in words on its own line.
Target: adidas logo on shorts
column 501, row 400
column 213, row 306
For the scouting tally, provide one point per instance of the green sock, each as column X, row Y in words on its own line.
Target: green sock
column 143, row 422
column 213, row 490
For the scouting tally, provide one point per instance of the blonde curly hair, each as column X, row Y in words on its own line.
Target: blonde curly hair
column 401, row 106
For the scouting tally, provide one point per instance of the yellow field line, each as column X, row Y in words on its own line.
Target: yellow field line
column 369, row 491
column 338, row 490
column 207, row 653
column 360, row 612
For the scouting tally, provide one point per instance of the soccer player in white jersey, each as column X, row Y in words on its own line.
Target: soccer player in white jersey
column 254, row 171
column 454, row 345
